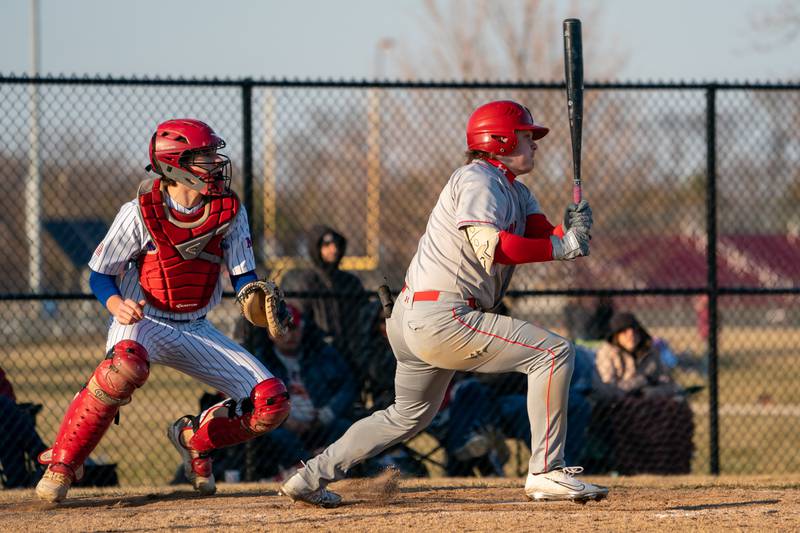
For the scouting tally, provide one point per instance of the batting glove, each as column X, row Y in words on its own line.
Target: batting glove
column 574, row 244
column 579, row 217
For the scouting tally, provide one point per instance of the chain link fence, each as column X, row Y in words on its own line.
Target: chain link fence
column 695, row 190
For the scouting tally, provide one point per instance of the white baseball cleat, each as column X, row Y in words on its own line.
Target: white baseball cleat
column 560, row 484
column 53, row 486
column 196, row 466
column 297, row 490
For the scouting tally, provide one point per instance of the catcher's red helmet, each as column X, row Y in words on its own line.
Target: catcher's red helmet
column 490, row 123
column 180, row 150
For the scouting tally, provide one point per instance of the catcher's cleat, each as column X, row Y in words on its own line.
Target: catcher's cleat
column 559, row 484
column 54, row 484
column 297, row 490
column 196, row 466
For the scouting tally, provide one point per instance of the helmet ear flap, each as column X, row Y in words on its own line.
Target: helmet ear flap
column 503, row 143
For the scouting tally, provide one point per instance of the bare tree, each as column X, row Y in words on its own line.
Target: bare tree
column 509, row 40
column 776, row 26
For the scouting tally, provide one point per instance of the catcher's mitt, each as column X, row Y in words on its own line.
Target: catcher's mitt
column 261, row 303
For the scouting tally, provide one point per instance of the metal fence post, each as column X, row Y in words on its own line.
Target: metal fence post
column 247, row 146
column 247, row 192
column 712, row 287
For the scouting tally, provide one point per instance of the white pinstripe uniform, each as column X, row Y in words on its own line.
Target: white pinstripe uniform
column 184, row 341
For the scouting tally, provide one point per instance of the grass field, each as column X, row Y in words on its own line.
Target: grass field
column 759, row 373
column 696, row 503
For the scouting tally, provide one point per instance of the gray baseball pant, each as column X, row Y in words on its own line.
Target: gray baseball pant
column 433, row 339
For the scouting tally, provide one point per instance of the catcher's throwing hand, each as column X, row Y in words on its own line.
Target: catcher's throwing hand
column 261, row 303
column 126, row 311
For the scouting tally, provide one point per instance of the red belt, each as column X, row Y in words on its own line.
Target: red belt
column 432, row 296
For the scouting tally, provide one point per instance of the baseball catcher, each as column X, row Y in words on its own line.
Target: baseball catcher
column 158, row 272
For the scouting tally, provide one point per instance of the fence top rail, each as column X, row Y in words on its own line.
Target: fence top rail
column 373, row 84
column 688, row 291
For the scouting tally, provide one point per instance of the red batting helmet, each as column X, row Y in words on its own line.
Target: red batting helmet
column 490, row 123
column 180, row 150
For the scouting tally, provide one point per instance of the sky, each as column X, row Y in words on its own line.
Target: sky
column 664, row 40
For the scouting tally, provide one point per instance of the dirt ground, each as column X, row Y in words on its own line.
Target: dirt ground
column 698, row 503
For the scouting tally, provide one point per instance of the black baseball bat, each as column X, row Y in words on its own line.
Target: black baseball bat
column 573, row 73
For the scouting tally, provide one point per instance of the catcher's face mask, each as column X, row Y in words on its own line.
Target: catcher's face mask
column 213, row 169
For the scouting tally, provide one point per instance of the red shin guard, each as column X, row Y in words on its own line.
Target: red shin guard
column 220, row 426
column 95, row 406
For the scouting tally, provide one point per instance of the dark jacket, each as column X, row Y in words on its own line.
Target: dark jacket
column 337, row 317
column 325, row 374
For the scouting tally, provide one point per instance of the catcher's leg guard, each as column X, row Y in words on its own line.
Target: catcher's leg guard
column 220, row 425
column 90, row 414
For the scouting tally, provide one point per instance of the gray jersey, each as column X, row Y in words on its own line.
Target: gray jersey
column 477, row 194
column 128, row 238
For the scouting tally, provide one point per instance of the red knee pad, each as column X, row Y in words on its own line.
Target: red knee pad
column 271, row 405
column 127, row 369
column 93, row 409
column 266, row 409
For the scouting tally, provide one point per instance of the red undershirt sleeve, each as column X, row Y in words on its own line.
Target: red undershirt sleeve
column 538, row 227
column 514, row 249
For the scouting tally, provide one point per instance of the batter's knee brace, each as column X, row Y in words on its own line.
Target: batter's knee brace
column 271, row 405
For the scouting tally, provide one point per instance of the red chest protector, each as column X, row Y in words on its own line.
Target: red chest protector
column 180, row 275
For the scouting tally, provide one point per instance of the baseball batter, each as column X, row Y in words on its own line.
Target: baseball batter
column 158, row 271
column 484, row 223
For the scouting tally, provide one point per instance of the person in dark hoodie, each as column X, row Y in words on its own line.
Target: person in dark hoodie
column 336, row 315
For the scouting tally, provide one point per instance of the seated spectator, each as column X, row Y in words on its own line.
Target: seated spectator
column 629, row 364
column 337, row 317
column 641, row 421
column 20, row 445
